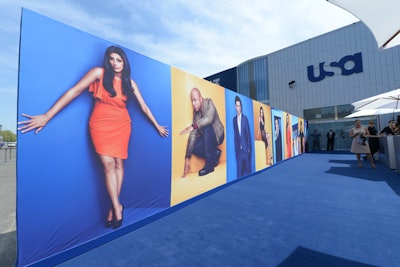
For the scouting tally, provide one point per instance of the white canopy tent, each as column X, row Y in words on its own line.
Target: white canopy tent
column 372, row 112
column 388, row 100
column 380, row 16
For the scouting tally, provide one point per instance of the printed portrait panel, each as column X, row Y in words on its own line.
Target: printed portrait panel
column 192, row 184
column 262, row 135
column 295, row 136
column 277, row 134
column 240, row 135
column 302, row 135
column 287, row 135
column 59, row 174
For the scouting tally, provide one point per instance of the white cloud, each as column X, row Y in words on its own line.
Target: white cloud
column 200, row 37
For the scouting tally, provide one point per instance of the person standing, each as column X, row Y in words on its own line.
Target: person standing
column 330, row 136
column 264, row 135
column 360, row 145
column 302, row 138
column 242, row 140
column 288, row 132
column 206, row 133
column 110, row 122
column 373, row 139
column 390, row 129
column 277, row 139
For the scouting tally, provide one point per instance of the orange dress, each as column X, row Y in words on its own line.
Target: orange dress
column 110, row 123
column 288, row 142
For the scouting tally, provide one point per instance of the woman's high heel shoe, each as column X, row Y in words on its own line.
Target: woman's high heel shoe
column 110, row 223
column 118, row 223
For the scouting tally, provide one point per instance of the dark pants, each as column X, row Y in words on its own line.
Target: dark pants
column 243, row 164
column 316, row 146
column 206, row 147
column 330, row 143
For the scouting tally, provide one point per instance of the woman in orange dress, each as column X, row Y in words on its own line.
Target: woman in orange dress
column 109, row 124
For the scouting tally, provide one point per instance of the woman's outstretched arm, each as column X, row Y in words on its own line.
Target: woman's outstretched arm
column 162, row 130
column 39, row 121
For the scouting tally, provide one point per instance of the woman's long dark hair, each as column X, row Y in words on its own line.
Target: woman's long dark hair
column 287, row 121
column 109, row 72
column 263, row 115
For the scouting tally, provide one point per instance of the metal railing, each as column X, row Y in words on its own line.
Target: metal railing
column 8, row 154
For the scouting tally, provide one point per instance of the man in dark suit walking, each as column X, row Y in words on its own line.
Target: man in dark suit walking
column 242, row 140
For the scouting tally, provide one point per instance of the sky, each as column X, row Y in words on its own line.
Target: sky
column 200, row 37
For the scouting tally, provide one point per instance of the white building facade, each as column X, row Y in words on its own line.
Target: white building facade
column 318, row 79
column 333, row 69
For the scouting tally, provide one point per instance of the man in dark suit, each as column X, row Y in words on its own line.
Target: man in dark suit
column 205, row 134
column 331, row 140
column 242, row 140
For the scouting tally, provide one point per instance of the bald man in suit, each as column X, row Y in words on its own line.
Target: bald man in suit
column 205, row 134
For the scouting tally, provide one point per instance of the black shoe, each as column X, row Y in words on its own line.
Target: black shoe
column 118, row 223
column 108, row 223
column 205, row 171
column 218, row 156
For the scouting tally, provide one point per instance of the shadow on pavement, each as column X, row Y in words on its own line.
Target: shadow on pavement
column 8, row 249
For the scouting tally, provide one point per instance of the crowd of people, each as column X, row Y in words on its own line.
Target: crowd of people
column 365, row 140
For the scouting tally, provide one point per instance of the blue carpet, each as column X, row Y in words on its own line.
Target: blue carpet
column 311, row 210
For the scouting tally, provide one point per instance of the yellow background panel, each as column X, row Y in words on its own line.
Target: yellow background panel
column 261, row 155
column 287, row 135
column 182, row 115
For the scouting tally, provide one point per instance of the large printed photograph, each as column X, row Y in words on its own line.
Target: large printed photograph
column 263, row 135
column 94, row 144
column 110, row 139
column 287, row 135
column 277, row 135
column 240, row 138
column 198, row 136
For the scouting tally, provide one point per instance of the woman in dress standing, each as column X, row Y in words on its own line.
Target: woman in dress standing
column 359, row 144
column 278, row 139
column 110, row 122
column 264, row 135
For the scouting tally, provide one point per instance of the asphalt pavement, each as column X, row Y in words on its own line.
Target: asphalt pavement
column 8, row 176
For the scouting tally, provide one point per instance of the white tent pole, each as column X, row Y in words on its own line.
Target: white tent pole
column 379, row 124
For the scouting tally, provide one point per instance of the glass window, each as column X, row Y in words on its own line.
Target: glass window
column 312, row 114
column 319, row 113
column 344, row 110
column 252, row 79
column 328, row 113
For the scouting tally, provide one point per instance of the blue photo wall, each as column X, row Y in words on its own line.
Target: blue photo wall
column 62, row 200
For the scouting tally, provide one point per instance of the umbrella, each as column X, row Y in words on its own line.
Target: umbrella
column 388, row 100
column 380, row 16
column 371, row 112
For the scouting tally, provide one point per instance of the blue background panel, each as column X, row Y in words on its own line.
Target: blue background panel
column 61, row 195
